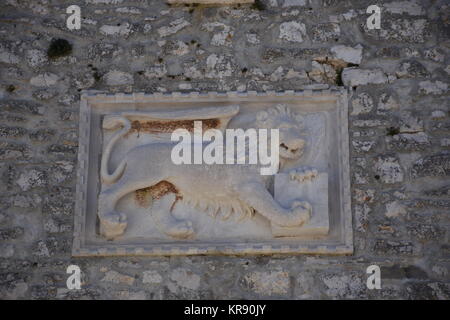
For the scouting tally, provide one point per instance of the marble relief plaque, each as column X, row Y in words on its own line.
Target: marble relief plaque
column 134, row 197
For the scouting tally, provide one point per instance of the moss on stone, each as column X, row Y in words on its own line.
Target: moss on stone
column 59, row 48
column 259, row 5
column 392, row 131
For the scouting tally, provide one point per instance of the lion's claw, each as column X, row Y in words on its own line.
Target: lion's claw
column 182, row 229
column 302, row 212
column 113, row 224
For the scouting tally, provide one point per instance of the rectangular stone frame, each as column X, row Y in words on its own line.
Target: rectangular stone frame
column 81, row 248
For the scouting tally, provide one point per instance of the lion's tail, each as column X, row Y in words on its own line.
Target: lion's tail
column 113, row 122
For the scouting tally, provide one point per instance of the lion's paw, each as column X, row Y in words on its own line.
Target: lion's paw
column 182, row 230
column 113, row 224
column 301, row 212
column 303, row 175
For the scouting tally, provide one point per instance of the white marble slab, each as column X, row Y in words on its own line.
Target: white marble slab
column 133, row 200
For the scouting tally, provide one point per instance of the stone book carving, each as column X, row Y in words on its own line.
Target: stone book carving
column 313, row 188
column 134, row 198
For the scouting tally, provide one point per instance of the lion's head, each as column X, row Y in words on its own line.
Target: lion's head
column 289, row 125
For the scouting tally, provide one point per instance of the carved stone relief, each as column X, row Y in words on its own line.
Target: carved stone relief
column 133, row 198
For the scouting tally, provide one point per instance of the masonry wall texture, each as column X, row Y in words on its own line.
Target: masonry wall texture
column 398, row 79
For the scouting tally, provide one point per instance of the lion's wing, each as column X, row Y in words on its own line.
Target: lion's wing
column 223, row 114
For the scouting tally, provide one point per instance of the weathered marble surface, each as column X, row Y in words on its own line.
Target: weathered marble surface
column 143, row 198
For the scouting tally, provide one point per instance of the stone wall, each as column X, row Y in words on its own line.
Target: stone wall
column 398, row 78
